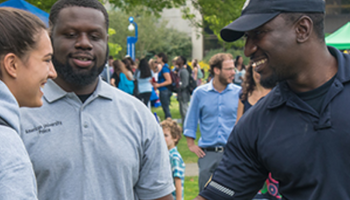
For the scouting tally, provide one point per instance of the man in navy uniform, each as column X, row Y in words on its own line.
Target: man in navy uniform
column 299, row 132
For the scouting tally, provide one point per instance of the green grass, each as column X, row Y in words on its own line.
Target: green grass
column 191, row 187
column 191, row 183
column 186, row 154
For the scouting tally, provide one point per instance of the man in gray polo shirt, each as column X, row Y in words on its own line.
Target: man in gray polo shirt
column 90, row 140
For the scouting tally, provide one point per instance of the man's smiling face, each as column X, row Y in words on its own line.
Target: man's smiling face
column 80, row 44
column 272, row 48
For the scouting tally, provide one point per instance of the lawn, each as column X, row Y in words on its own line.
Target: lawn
column 191, row 183
column 186, row 154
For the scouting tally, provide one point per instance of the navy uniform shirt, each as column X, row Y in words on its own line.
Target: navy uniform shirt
column 306, row 151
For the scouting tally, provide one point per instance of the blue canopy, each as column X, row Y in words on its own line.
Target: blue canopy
column 21, row 4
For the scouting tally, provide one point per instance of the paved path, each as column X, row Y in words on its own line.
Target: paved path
column 191, row 169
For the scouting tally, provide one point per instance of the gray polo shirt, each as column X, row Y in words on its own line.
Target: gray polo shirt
column 109, row 147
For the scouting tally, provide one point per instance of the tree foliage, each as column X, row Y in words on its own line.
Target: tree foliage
column 216, row 14
column 153, row 36
column 153, row 6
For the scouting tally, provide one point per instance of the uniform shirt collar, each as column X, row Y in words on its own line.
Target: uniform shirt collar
column 53, row 92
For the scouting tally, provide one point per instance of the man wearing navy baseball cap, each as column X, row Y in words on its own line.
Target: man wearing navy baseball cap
column 299, row 132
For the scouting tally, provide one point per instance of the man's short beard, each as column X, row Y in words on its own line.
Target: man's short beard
column 270, row 81
column 223, row 81
column 75, row 76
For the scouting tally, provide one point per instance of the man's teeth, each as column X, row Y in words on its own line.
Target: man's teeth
column 262, row 61
column 83, row 59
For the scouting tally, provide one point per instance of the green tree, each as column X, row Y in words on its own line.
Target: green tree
column 216, row 14
column 153, row 6
column 153, row 35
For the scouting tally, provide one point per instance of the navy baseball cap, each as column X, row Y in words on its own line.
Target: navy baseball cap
column 257, row 12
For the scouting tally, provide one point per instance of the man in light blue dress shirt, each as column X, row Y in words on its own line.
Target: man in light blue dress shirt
column 214, row 106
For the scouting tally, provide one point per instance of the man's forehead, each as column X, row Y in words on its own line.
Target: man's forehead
column 73, row 14
column 228, row 60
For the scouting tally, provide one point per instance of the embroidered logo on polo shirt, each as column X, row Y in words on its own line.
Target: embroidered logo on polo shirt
column 44, row 128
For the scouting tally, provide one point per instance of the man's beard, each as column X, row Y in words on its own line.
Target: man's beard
column 77, row 77
column 269, row 82
column 223, row 80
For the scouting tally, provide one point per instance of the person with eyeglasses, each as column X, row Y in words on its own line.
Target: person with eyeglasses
column 214, row 105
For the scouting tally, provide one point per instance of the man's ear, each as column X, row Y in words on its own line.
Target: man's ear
column 303, row 28
column 216, row 70
column 10, row 65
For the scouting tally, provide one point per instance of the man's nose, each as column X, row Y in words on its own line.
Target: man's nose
column 83, row 42
column 249, row 47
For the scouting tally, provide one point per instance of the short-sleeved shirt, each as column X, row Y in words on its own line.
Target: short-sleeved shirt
column 178, row 169
column 110, row 147
column 161, row 78
column 306, row 151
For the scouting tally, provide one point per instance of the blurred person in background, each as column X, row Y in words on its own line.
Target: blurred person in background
column 214, row 107
column 197, row 72
column 183, row 95
column 143, row 75
column 119, row 78
column 252, row 91
column 240, row 70
column 105, row 74
column 164, row 80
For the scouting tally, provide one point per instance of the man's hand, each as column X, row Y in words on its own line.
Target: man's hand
column 194, row 148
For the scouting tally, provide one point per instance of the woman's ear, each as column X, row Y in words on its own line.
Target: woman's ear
column 10, row 65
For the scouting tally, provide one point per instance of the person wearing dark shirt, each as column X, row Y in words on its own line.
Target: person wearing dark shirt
column 299, row 131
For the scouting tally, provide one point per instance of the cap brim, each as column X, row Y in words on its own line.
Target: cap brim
column 244, row 23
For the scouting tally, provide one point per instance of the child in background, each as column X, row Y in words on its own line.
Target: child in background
column 172, row 134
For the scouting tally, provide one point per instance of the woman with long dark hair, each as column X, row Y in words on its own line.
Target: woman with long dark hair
column 143, row 76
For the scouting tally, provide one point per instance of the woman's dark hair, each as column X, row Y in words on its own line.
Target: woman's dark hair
column 184, row 60
column 127, row 63
column 117, row 65
column 195, row 63
column 145, row 71
column 236, row 62
column 163, row 56
column 19, row 31
column 248, row 85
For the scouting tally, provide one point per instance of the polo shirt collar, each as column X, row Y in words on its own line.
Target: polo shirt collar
column 281, row 93
column 53, row 92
